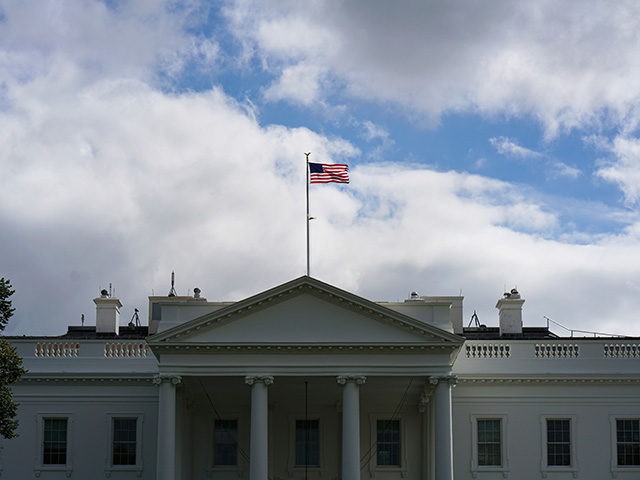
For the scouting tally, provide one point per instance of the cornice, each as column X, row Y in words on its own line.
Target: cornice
column 66, row 378
column 279, row 348
column 462, row 380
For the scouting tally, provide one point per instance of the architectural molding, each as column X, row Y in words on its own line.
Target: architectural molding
column 266, row 379
column 167, row 378
column 84, row 379
column 452, row 380
column 357, row 379
column 547, row 379
column 198, row 348
column 426, row 398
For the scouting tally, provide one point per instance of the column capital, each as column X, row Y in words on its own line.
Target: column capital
column 425, row 399
column 357, row 379
column 251, row 379
column 452, row 380
column 161, row 377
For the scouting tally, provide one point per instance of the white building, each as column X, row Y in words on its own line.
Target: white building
column 308, row 381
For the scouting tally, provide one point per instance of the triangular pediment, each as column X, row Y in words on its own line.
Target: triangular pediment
column 305, row 311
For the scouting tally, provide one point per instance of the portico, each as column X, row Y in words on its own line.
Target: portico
column 305, row 369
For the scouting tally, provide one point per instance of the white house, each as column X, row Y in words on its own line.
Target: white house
column 307, row 381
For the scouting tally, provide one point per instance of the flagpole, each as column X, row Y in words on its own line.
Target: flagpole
column 307, row 169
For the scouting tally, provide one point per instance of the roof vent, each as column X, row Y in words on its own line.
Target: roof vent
column 196, row 292
column 414, row 296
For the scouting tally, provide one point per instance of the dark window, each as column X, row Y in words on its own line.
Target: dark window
column 308, row 443
column 388, row 443
column 628, row 442
column 54, row 448
column 225, row 442
column 489, row 442
column 125, row 435
column 558, row 442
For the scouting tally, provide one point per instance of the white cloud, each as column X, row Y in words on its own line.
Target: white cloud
column 568, row 65
column 507, row 146
column 297, row 83
column 624, row 168
column 89, row 41
column 560, row 169
column 374, row 132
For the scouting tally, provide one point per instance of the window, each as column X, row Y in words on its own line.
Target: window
column 54, row 444
column 628, row 442
column 124, row 440
column 489, row 442
column 558, row 442
column 225, row 442
column 388, row 450
column 388, row 443
column 125, row 437
column 307, row 443
column 490, row 446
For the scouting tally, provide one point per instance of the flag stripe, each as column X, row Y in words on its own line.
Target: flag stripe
column 328, row 173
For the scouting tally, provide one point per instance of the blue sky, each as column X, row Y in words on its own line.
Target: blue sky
column 491, row 145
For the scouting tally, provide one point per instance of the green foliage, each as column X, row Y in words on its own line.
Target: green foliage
column 10, row 371
column 6, row 312
column 10, row 366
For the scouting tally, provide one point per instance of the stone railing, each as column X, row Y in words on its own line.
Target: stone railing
column 487, row 350
column 560, row 349
column 621, row 350
column 57, row 349
column 126, row 350
column 556, row 350
column 69, row 349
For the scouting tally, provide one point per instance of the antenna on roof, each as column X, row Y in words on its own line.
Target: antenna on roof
column 110, row 290
column 172, row 292
column 135, row 319
column 82, row 319
column 475, row 320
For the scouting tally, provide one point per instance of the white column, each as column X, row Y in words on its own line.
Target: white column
column 259, row 443
column 166, row 461
column 350, row 426
column 443, row 427
column 425, row 434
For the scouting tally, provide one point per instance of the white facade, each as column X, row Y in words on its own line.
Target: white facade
column 309, row 381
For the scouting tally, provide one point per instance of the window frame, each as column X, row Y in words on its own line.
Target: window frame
column 313, row 470
column 240, row 460
column 544, row 465
column 40, row 466
column 373, row 463
column 614, row 444
column 295, row 460
column 139, row 465
column 225, row 466
column 504, row 443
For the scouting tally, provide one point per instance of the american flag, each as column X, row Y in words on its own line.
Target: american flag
column 329, row 172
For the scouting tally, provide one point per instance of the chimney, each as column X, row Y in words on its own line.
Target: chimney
column 510, row 313
column 107, row 313
column 456, row 315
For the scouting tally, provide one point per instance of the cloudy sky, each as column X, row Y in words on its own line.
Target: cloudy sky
column 491, row 144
